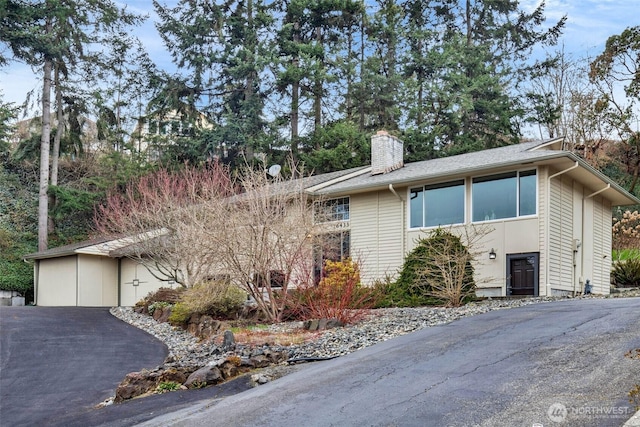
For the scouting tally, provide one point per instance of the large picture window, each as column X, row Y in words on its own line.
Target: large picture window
column 437, row 204
column 506, row 195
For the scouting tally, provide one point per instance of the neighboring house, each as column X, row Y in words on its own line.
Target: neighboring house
column 549, row 213
column 26, row 129
column 156, row 131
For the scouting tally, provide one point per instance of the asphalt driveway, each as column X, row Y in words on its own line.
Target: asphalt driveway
column 62, row 361
column 57, row 363
column 559, row 363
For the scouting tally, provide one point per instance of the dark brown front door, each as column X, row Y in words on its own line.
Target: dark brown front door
column 523, row 271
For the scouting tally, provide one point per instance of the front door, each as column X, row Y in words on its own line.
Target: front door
column 523, row 274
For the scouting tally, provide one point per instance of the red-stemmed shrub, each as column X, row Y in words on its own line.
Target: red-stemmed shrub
column 339, row 295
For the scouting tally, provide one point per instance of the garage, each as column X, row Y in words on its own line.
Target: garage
column 86, row 275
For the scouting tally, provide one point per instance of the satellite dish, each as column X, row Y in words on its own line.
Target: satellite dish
column 274, row 170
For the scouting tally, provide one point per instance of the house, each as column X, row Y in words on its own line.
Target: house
column 548, row 211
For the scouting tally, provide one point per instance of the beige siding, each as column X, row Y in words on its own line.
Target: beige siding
column 513, row 236
column 57, row 282
column 601, row 259
column 130, row 294
column 543, row 213
column 97, row 281
column 561, row 235
column 377, row 227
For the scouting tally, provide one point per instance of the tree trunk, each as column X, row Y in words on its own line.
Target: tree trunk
column 295, row 101
column 317, row 102
column 55, row 155
column 43, row 201
column 59, row 130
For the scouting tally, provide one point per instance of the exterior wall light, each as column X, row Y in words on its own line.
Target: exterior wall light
column 492, row 254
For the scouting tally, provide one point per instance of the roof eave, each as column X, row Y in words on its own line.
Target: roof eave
column 553, row 155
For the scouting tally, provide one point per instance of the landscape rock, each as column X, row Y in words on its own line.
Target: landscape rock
column 188, row 354
column 165, row 312
column 209, row 375
column 322, row 324
column 229, row 370
column 229, row 340
column 135, row 384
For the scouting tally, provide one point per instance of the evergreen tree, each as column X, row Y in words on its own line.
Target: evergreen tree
column 223, row 48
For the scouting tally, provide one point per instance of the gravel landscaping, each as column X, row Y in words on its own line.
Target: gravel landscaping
column 379, row 325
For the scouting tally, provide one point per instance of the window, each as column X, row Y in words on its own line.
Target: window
column 332, row 210
column 437, row 204
column 330, row 246
column 507, row 195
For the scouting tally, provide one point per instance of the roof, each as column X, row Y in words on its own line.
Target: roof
column 358, row 180
column 102, row 246
column 66, row 250
column 528, row 153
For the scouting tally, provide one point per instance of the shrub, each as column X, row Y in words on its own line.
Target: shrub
column 626, row 230
column 626, row 274
column 217, row 298
column 179, row 314
column 162, row 297
column 339, row 295
column 438, row 271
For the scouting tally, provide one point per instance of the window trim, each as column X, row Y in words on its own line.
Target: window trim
column 462, row 182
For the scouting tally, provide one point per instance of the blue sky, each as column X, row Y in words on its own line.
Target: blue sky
column 589, row 24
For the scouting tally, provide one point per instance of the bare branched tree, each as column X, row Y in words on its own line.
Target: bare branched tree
column 193, row 227
column 268, row 238
column 167, row 221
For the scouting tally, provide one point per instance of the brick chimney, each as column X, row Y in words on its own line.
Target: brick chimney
column 386, row 153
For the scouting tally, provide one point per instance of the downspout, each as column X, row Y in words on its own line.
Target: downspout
column 77, row 279
column 36, row 274
column 597, row 192
column 119, row 281
column 548, row 203
column 403, row 219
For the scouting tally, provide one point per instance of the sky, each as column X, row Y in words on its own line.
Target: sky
column 589, row 24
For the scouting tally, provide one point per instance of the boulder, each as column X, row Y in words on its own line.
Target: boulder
column 135, row 384
column 228, row 369
column 276, row 356
column 165, row 312
column 229, row 340
column 174, row 375
column 260, row 361
column 321, row 324
column 209, row 375
column 207, row 327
